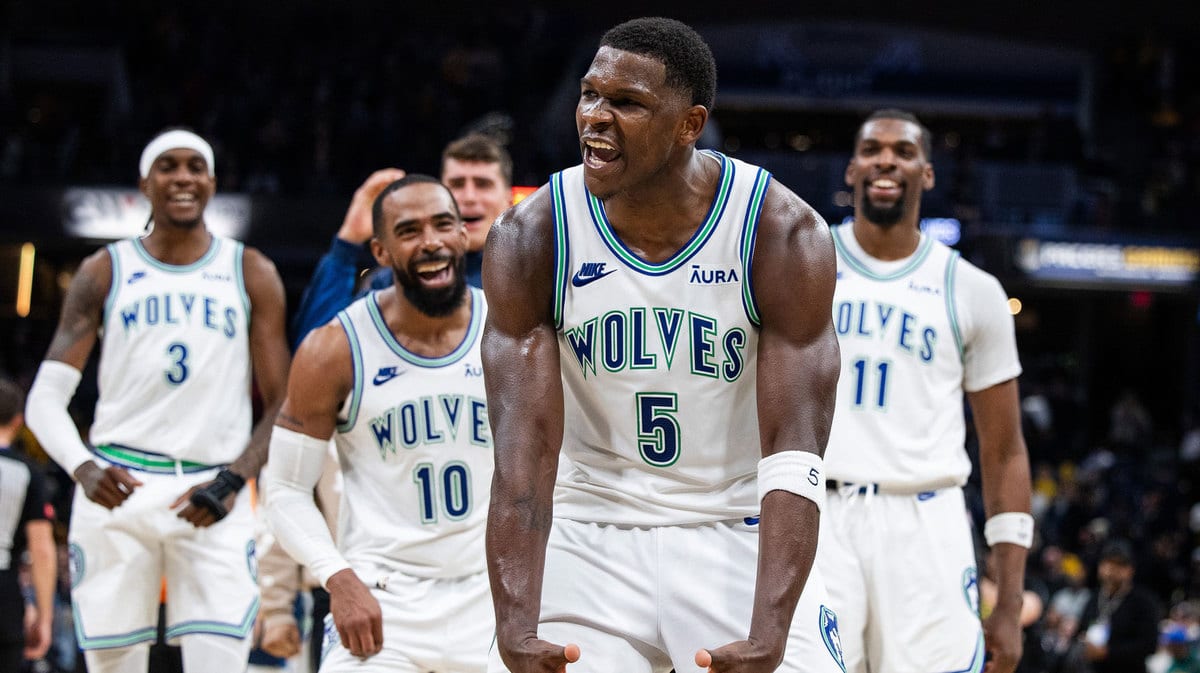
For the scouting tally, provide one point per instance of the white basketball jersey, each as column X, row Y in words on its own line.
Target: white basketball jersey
column 914, row 334
column 174, row 372
column 416, row 451
column 658, row 362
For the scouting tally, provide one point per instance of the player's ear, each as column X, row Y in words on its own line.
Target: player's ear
column 144, row 186
column 380, row 253
column 693, row 124
column 850, row 177
column 927, row 177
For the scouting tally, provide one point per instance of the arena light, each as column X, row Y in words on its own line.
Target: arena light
column 1014, row 305
column 25, row 280
column 519, row 194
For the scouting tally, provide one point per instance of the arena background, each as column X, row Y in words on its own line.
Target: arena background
column 1067, row 150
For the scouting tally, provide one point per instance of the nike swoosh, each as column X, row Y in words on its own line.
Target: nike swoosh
column 579, row 281
column 384, row 377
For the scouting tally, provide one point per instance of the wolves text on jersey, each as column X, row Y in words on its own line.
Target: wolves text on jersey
column 885, row 322
column 650, row 338
column 174, row 308
column 430, row 420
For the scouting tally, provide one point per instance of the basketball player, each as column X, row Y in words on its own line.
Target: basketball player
column 397, row 381
column 183, row 318
column 918, row 326
column 478, row 171
column 665, row 323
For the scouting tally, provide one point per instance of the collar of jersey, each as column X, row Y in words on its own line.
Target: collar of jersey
column 214, row 245
column 412, row 358
column 862, row 268
column 715, row 211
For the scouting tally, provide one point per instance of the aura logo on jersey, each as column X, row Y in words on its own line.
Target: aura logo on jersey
column 650, row 338
column 179, row 308
column 430, row 420
column 885, row 322
column 709, row 274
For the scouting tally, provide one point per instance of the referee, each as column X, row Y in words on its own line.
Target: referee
column 24, row 522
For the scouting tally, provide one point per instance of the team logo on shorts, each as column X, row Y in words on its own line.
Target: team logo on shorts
column 75, row 563
column 252, row 561
column 331, row 639
column 970, row 582
column 829, row 633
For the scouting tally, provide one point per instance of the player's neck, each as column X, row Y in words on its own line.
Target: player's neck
column 887, row 243
column 660, row 216
column 420, row 333
column 177, row 245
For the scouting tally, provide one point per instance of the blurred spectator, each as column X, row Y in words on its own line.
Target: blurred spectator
column 1119, row 628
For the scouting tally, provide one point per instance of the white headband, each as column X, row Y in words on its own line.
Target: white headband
column 175, row 140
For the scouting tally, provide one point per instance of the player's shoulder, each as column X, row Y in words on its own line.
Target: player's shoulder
column 970, row 279
column 324, row 346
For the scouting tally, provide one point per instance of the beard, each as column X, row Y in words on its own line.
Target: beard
column 436, row 303
column 884, row 216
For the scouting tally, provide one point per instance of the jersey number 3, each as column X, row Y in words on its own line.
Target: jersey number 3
column 177, row 373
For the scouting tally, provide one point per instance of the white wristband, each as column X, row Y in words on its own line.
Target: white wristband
column 47, row 416
column 1012, row 527
column 799, row 472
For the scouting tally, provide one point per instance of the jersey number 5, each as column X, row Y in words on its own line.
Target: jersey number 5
column 658, row 429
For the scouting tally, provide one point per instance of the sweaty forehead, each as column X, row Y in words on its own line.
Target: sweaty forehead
column 418, row 201
column 625, row 69
column 457, row 168
column 890, row 131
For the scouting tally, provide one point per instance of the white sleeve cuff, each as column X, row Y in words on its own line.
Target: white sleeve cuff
column 293, row 468
column 47, row 416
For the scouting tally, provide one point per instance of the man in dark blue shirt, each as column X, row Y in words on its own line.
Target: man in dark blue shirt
column 478, row 171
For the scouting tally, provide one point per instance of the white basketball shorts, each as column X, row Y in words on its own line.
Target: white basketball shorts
column 429, row 626
column 900, row 570
column 119, row 558
column 645, row 600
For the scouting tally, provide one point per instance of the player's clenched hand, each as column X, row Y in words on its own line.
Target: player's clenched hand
column 200, row 517
column 357, row 226
column 744, row 656
column 109, row 486
column 1002, row 640
column 538, row 656
column 356, row 614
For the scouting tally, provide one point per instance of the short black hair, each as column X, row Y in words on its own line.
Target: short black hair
column 689, row 61
column 926, row 139
column 12, row 401
column 377, row 223
column 1119, row 551
column 480, row 148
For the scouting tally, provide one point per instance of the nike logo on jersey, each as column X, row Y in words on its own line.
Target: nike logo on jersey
column 135, row 277
column 590, row 272
column 386, row 374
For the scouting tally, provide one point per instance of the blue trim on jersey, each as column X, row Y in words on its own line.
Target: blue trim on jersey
column 749, row 237
column 562, row 247
column 238, row 257
column 923, row 249
column 116, row 282
column 460, row 352
column 240, row 630
column 951, row 308
column 214, row 246
column 357, row 378
column 111, row 641
column 715, row 211
column 976, row 665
